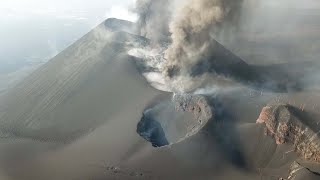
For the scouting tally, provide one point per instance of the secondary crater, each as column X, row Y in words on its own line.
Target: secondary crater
column 172, row 121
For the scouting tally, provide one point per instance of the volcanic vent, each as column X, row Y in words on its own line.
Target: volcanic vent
column 172, row 121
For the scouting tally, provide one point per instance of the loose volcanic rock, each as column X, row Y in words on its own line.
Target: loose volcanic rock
column 196, row 104
column 286, row 125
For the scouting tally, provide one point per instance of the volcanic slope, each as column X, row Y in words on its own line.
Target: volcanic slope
column 89, row 100
column 87, row 85
column 76, row 91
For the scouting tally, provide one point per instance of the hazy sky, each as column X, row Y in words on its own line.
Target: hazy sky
column 96, row 11
column 39, row 29
column 298, row 4
column 76, row 9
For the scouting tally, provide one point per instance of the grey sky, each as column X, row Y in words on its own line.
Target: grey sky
column 96, row 11
column 74, row 9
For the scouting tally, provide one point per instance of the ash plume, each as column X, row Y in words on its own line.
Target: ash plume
column 192, row 29
column 189, row 26
column 153, row 22
column 186, row 36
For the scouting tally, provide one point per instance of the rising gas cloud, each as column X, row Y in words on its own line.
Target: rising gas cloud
column 189, row 27
column 191, row 31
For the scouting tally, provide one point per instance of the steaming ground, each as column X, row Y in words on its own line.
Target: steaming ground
column 76, row 118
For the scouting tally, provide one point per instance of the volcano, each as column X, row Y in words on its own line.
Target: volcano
column 90, row 113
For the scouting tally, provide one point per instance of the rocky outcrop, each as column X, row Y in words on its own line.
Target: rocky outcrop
column 286, row 125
